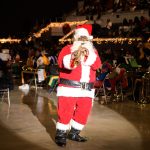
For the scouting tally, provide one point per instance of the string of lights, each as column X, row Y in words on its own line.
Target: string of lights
column 45, row 29
column 66, row 39
column 55, row 25
column 10, row 40
column 107, row 40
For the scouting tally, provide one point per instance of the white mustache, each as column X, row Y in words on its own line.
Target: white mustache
column 88, row 45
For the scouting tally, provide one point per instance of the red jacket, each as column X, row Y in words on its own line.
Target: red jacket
column 85, row 72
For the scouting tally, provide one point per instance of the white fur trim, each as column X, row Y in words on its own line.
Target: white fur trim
column 81, row 32
column 91, row 59
column 75, row 45
column 61, row 126
column 66, row 61
column 85, row 76
column 90, row 37
column 74, row 92
column 76, row 125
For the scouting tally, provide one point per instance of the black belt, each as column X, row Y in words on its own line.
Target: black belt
column 82, row 85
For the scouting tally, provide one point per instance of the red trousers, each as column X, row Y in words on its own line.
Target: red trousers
column 76, row 108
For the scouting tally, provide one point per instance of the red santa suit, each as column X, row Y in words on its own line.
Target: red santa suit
column 74, row 101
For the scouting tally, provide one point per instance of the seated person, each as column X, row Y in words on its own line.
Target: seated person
column 131, row 61
column 114, row 75
column 2, row 69
column 101, row 75
column 29, row 62
column 118, row 74
column 115, row 69
column 16, row 67
column 104, row 71
column 143, row 60
column 5, row 70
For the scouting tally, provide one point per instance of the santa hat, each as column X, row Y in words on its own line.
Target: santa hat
column 83, row 30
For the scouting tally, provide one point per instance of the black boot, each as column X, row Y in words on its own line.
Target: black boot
column 60, row 138
column 74, row 136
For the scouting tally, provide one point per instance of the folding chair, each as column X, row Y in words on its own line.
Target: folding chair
column 118, row 92
column 32, row 81
column 52, row 78
column 53, row 83
column 100, row 89
column 4, row 94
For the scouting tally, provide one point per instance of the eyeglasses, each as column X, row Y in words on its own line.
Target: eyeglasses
column 83, row 38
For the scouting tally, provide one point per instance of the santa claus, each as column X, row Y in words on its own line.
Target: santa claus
column 78, row 63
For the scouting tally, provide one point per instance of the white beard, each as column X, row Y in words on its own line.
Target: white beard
column 87, row 44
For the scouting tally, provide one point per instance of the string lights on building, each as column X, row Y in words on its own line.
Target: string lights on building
column 10, row 40
column 66, row 39
column 107, row 40
column 56, row 25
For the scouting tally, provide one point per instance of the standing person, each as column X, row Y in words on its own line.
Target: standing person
column 78, row 64
column 42, row 62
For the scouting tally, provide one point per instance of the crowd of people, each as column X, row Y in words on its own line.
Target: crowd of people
column 135, row 27
column 99, row 7
column 75, row 68
column 45, row 62
column 27, row 58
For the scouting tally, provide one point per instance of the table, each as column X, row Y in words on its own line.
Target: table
column 34, row 72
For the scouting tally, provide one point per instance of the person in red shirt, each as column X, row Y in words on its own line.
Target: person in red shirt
column 78, row 63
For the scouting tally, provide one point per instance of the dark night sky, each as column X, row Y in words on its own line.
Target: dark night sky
column 19, row 16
